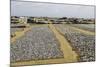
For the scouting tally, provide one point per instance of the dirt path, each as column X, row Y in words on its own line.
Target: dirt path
column 82, row 31
column 69, row 55
column 19, row 34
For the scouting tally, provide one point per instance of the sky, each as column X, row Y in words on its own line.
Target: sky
column 21, row 8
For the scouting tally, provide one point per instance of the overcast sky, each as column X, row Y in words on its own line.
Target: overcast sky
column 19, row 8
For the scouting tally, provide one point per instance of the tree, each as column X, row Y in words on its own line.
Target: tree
column 75, row 21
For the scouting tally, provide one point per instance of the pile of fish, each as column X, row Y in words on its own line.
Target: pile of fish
column 37, row 44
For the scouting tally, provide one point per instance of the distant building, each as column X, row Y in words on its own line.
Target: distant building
column 15, row 19
column 23, row 20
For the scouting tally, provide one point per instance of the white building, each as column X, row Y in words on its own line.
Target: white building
column 23, row 20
